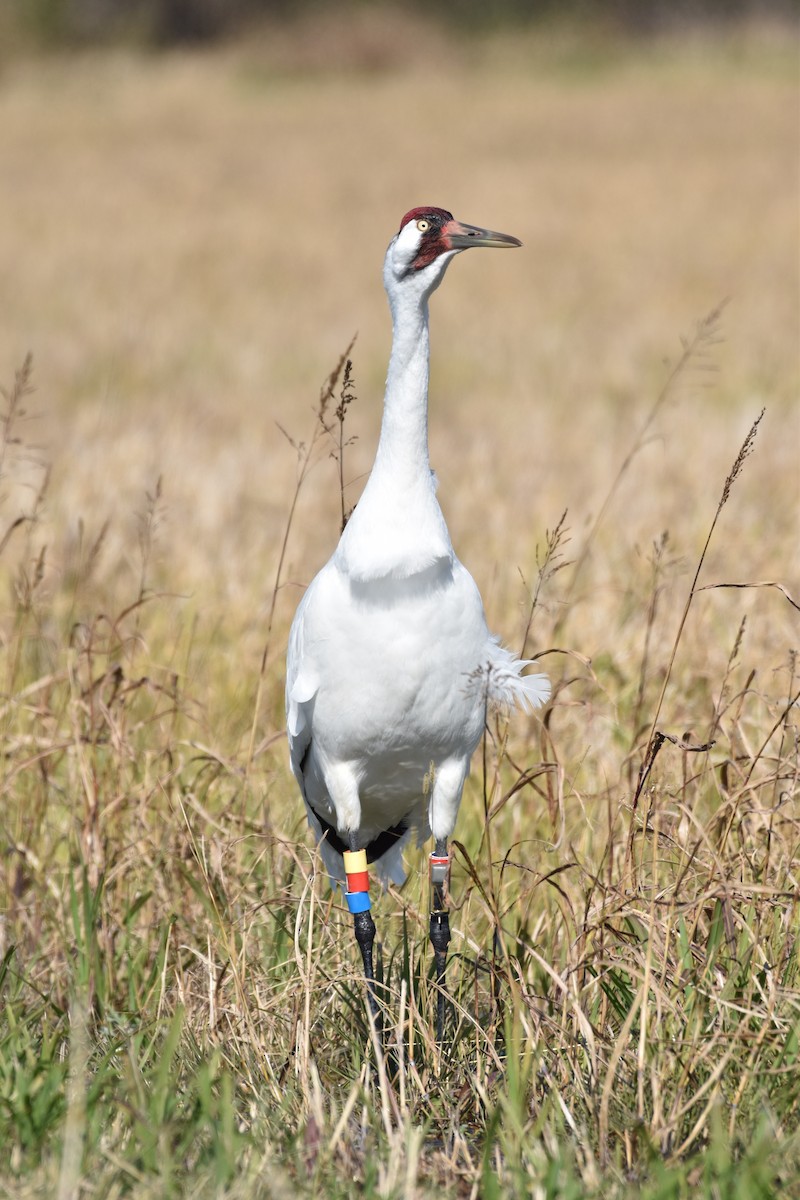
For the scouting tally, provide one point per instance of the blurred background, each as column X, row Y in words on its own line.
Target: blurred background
column 169, row 22
column 196, row 198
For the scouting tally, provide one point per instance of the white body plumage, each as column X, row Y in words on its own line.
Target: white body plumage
column 391, row 665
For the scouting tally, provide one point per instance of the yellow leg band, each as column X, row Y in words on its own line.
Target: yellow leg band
column 354, row 860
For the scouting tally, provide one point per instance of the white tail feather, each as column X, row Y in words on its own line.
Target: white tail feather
column 507, row 687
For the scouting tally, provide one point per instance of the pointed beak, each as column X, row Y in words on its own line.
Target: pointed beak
column 462, row 237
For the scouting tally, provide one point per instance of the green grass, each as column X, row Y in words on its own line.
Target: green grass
column 181, row 1011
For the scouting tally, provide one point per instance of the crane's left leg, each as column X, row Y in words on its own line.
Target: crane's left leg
column 357, row 896
column 439, row 868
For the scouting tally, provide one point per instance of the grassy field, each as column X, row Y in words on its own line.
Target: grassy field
column 188, row 245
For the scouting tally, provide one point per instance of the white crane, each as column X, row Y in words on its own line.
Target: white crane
column 391, row 666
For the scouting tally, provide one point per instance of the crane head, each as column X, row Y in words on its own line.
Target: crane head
column 426, row 233
column 428, row 240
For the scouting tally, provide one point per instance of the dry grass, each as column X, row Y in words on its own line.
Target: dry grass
column 188, row 244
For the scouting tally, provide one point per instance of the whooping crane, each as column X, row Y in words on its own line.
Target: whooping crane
column 391, row 665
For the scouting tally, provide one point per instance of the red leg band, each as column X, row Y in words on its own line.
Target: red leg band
column 358, row 881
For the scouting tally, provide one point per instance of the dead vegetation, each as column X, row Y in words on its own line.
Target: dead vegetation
column 186, row 259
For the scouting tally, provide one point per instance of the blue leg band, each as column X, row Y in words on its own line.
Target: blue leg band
column 358, row 902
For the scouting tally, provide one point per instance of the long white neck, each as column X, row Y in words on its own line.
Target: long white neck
column 397, row 528
column 403, row 445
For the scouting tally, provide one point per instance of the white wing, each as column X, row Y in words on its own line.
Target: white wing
column 301, row 688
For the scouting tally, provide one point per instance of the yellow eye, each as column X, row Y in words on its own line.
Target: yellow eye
column 423, row 225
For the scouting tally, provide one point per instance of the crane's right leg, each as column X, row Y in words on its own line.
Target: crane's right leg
column 357, row 897
column 448, row 783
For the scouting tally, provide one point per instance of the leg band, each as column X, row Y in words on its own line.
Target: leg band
column 439, row 875
column 355, row 868
column 439, row 870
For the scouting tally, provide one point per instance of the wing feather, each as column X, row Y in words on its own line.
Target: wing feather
column 301, row 688
column 507, row 687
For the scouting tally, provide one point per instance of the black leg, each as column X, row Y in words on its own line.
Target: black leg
column 355, row 864
column 364, row 927
column 440, row 928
